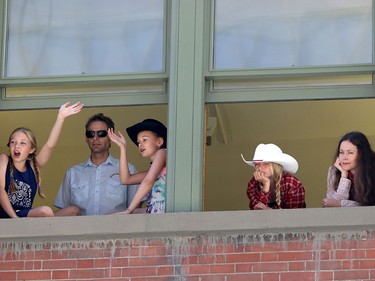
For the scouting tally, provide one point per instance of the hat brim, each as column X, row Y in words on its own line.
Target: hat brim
column 289, row 164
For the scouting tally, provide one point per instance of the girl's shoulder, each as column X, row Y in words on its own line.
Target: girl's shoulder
column 4, row 159
column 162, row 152
column 291, row 179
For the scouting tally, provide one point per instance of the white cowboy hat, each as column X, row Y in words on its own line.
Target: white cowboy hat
column 272, row 153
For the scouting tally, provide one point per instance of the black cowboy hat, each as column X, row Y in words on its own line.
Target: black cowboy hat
column 148, row 125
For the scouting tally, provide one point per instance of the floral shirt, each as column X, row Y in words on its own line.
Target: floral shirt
column 156, row 202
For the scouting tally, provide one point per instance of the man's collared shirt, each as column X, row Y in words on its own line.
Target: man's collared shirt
column 96, row 190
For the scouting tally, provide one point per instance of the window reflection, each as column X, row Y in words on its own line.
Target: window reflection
column 75, row 37
column 289, row 33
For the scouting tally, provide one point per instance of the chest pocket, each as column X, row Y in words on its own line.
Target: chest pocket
column 115, row 191
column 80, row 193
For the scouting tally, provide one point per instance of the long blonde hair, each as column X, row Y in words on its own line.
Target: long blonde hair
column 277, row 172
column 31, row 137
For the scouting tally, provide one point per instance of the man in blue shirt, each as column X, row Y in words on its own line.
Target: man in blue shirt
column 94, row 185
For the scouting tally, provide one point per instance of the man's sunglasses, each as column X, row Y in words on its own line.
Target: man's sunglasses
column 100, row 134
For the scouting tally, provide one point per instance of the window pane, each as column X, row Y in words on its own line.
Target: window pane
column 288, row 33
column 73, row 37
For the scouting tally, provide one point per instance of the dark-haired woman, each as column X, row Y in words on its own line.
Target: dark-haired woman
column 351, row 179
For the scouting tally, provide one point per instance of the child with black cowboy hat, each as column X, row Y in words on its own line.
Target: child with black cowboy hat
column 150, row 136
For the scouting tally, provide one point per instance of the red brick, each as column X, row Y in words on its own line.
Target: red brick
column 207, row 278
column 297, row 276
column 324, row 276
column 300, row 245
column 154, row 251
column 12, row 265
column 135, row 252
column 60, row 274
column 245, row 277
column 366, row 244
column 188, row 260
column 6, row 276
column 312, row 265
column 138, row 271
column 245, row 257
column 34, row 275
column 322, row 255
column 268, row 247
column 29, row 265
column 59, row 255
column 244, row 267
column 223, row 268
column 85, row 254
column 165, row 270
column 122, row 252
column 59, row 264
column 350, row 264
column 113, row 272
column 87, row 273
column 367, row 264
column 269, row 267
column 372, row 274
column 9, row 256
column 99, row 263
column 209, row 259
column 347, row 244
column 297, row 266
column 196, row 269
column 295, row 256
column 271, row 276
column 120, row 262
column 269, row 256
column 330, row 265
column 27, row 255
column 350, row 254
column 351, row 275
column 42, row 255
column 370, row 254
column 328, row 245
column 148, row 261
column 89, row 263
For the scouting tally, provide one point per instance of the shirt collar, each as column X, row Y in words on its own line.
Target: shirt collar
column 109, row 161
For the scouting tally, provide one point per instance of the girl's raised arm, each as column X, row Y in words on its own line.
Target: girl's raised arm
column 47, row 149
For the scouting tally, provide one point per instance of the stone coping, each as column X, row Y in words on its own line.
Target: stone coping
column 188, row 223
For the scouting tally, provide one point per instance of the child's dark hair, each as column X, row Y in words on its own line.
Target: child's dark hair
column 100, row 117
column 31, row 137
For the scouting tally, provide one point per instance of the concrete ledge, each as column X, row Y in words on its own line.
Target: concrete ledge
column 188, row 223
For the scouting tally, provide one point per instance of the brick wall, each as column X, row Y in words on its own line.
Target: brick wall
column 282, row 245
column 277, row 256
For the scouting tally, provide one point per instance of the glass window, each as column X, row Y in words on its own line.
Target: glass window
column 292, row 33
column 84, row 37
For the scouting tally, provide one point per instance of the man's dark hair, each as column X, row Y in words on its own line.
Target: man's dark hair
column 103, row 118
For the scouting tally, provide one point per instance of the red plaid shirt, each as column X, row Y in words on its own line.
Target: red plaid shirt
column 292, row 193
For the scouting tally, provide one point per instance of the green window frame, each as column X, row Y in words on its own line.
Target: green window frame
column 187, row 86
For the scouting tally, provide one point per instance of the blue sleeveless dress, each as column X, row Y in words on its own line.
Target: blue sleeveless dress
column 26, row 187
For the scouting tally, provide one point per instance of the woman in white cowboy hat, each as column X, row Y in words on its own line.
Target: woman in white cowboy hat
column 273, row 186
column 150, row 136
